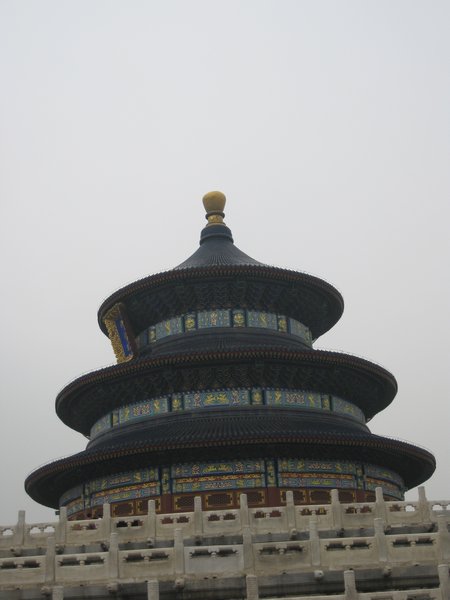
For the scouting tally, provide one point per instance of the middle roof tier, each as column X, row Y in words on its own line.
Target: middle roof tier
column 360, row 382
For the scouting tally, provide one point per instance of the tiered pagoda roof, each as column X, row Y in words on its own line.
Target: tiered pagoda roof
column 218, row 387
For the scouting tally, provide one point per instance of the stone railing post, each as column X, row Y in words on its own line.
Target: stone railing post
column 198, row 516
column 443, row 538
column 424, row 507
column 290, row 511
column 350, row 586
column 336, row 510
column 244, row 510
column 153, row 589
column 314, row 542
column 50, row 557
column 380, row 504
column 19, row 533
column 247, row 548
column 150, row 522
column 251, row 583
column 113, row 556
column 61, row 529
column 381, row 541
column 106, row 521
column 178, row 548
column 444, row 581
column 58, row 593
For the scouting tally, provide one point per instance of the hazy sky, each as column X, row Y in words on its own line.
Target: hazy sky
column 326, row 124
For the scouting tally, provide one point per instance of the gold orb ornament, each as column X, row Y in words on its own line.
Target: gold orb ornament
column 214, row 203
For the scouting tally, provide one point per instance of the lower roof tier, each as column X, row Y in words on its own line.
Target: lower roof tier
column 412, row 464
column 366, row 385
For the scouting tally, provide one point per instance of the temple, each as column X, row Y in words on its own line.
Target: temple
column 227, row 458
column 219, row 391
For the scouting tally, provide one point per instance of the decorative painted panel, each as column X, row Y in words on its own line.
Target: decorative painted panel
column 293, row 397
column 210, row 468
column 261, row 319
column 128, row 478
column 101, row 425
column 239, row 318
column 226, row 482
column 190, row 477
column 124, row 414
column 216, row 398
column 142, row 410
column 297, row 328
column 388, row 488
column 257, row 396
column 165, row 480
column 169, row 327
column 177, row 402
column 326, row 403
column 346, row 408
column 126, row 493
column 190, row 322
column 316, row 480
column 313, row 466
column 270, row 473
column 282, row 323
column 213, row 318
column 387, row 474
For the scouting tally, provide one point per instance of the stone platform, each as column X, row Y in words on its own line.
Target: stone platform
column 361, row 551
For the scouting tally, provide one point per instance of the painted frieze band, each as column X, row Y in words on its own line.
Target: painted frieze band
column 208, row 319
column 232, row 475
column 299, row 399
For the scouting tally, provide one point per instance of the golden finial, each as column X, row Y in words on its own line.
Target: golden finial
column 214, row 203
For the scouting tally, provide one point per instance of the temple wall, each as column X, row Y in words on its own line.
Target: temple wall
column 220, row 484
column 360, row 551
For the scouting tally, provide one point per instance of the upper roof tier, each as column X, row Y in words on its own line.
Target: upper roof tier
column 219, row 275
column 216, row 242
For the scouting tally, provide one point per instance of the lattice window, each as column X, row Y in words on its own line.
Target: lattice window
column 123, row 509
column 256, row 498
column 320, row 496
column 184, row 502
column 218, row 500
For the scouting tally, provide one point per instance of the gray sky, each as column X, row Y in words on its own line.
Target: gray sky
column 326, row 124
